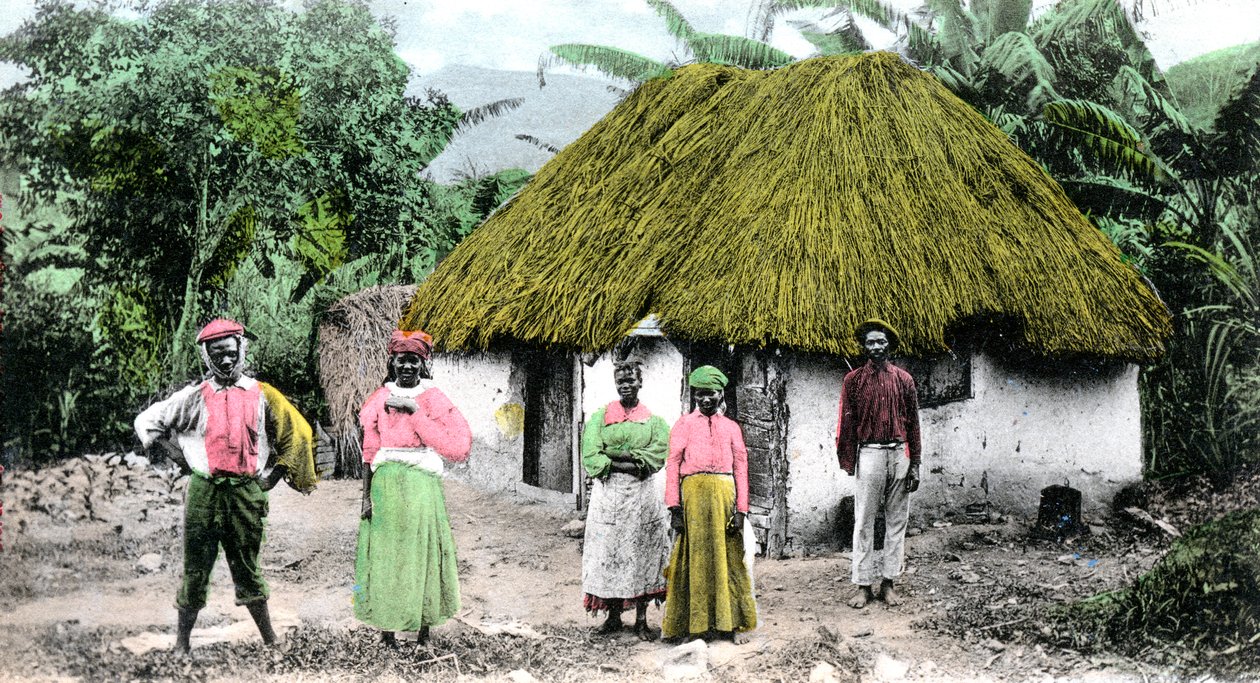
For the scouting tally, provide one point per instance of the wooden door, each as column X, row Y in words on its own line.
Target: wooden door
column 763, row 417
column 755, row 398
column 548, row 450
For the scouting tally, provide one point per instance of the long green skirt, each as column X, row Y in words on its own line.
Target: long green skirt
column 405, row 571
column 709, row 588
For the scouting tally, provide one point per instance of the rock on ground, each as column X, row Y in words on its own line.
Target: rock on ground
column 824, row 672
column 889, row 669
column 149, row 563
column 688, row 660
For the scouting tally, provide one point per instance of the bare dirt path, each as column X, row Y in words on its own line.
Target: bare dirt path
column 92, row 583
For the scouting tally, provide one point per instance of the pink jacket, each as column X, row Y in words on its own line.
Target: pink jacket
column 437, row 424
column 699, row 444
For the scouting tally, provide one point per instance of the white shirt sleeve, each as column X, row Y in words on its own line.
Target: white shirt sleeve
column 164, row 418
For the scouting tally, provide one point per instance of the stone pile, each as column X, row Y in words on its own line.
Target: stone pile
column 111, row 488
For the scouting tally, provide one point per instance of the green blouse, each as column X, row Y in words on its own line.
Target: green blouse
column 643, row 435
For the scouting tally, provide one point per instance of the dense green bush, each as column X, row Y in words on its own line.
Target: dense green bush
column 200, row 160
column 1204, row 594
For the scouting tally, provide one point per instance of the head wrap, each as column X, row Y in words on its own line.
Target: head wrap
column 707, row 377
column 221, row 329
column 218, row 329
column 411, row 341
column 860, row 331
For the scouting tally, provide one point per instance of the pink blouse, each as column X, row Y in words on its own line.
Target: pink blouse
column 700, row 444
column 437, row 424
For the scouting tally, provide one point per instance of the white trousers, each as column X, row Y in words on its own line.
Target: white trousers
column 881, row 483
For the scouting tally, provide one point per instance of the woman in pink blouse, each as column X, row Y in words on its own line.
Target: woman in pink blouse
column 709, row 589
column 405, row 571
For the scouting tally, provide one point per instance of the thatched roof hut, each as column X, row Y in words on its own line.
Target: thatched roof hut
column 750, row 219
column 780, row 208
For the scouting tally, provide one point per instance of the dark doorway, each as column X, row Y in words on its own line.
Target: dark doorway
column 548, row 450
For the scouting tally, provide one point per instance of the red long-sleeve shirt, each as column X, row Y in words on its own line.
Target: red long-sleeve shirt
column 878, row 404
column 700, row 444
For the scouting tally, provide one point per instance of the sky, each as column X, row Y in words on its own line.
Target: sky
column 507, row 34
column 512, row 35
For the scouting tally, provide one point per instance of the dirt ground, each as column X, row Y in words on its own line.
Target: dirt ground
column 91, row 564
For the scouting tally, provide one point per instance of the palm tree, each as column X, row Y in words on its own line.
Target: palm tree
column 698, row 46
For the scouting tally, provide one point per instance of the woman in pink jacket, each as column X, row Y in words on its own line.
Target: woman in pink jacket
column 405, row 571
column 709, row 590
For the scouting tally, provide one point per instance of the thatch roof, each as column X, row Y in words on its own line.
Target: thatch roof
column 782, row 208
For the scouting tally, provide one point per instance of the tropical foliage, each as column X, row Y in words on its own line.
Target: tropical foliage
column 697, row 46
column 1201, row 85
column 197, row 160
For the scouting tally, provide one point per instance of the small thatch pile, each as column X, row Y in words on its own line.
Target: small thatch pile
column 352, row 361
column 782, row 208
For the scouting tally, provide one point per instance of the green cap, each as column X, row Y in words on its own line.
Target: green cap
column 707, row 377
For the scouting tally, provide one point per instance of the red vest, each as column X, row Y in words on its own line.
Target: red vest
column 231, row 429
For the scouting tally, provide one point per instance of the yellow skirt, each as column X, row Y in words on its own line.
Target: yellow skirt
column 709, row 588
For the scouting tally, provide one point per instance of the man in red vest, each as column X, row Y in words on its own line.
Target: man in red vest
column 237, row 438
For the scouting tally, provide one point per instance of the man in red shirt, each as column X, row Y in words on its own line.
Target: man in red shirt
column 879, row 442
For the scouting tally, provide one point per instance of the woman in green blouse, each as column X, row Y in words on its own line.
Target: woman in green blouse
column 627, row 526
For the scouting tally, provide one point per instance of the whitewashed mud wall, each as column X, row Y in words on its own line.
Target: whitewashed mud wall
column 1017, row 434
column 1022, row 432
column 815, row 481
column 489, row 392
column 481, row 385
column 662, row 366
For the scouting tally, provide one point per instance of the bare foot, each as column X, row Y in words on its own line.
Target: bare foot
column 610, row 625
column 739, row 638
column 863, row 596
column 646, row 633
column 889, row 594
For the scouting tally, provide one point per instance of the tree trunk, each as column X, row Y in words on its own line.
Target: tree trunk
column 181, row 345
column 181, row 360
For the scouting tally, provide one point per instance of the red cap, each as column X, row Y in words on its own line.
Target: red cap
column 218, row 329
column 411, row 341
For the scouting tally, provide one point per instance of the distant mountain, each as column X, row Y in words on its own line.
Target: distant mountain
column 555, row 114
column 1201, row 85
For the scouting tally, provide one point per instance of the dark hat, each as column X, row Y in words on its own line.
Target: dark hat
column 859, row 333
